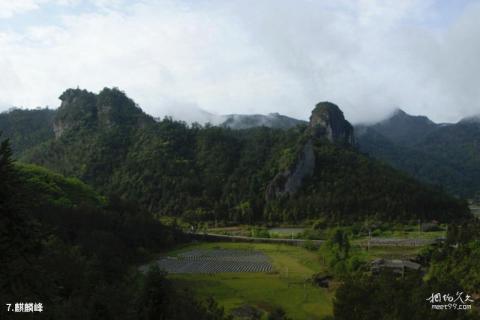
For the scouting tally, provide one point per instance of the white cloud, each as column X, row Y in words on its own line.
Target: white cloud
column 252, row 57
column 9, row 8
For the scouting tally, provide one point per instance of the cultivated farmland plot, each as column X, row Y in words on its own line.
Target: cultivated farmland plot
column 216, row 261
column 399, row 242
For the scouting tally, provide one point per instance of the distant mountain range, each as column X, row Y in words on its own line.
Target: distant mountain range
column 27, row 128
column 442, row 154
column 237, row 121
column 271, row 120
column 447, row 155
column 275, row 169
column 402, row 128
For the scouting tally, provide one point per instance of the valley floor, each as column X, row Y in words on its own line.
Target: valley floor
column 286, row 287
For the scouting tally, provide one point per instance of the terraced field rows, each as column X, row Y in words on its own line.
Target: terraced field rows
column 216, row 261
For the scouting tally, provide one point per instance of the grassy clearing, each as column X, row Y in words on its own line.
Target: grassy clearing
column 286, row 287
column 392, row 252
column 394, row 232
column 397, row 234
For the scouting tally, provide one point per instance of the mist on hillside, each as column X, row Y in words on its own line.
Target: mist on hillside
column 248, row 57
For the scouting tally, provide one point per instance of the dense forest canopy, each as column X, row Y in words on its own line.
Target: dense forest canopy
column 77, row 252
column 216, row 173
column 446, row 155
column 451, row 269
column 84, row 242
column 27, row 128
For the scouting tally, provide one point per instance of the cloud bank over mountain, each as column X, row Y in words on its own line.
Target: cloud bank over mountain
column 247, row 56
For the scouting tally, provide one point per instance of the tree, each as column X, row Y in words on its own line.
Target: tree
column 154, row 299
column 278, row 314
column 19, row 239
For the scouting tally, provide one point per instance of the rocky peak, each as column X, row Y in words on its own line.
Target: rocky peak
column 327, row 121
column 78, row 109
column 109, row 108
column 400, row 115
column 472, row 119
column 405, row 129
column 114, row 107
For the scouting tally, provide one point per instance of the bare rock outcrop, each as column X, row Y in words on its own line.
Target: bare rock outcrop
column 289, row 181
column 326, row 122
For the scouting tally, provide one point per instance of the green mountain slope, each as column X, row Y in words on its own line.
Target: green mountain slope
column 257, row 174
column 404, row 129
column 46, row 188
column 27, row 128
column 353, row 185
column 64, row 245
column 442, row 155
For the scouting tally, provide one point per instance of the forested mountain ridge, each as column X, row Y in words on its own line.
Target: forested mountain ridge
column 271, row 120
column 215, row 173
column 327, row 123
column 27, row 128
column 447, row 155
column 404, row 129
column 76, row 251
column 47, row 188
column 109, row 109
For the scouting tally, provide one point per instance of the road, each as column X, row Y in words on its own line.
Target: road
column 374, row 242
column 223, row 237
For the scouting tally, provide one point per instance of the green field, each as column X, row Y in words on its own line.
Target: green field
column 392, row 252
column 396, row 234
column 286, row 287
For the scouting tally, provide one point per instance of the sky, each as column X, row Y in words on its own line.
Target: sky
column 189, row 57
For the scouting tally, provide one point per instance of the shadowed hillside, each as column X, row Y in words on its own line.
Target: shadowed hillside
column 215, row 173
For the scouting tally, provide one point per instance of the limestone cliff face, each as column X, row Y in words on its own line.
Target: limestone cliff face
column 326, row 122
column 289, row 181
column 59, row 127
